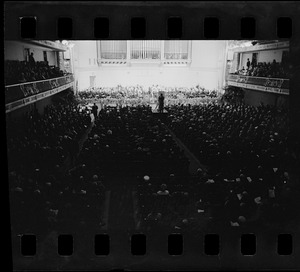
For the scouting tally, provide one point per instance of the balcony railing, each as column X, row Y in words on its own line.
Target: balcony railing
column 24, row 93
column 115, row 55
column 273, row 85
column 176, row 56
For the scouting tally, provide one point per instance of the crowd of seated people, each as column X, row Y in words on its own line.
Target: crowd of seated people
column 168, row 203
column 130, row 139
column 249, row 161
column 17, row 72
column 134, row 95
column 247, row 183
column 233, row 95
column 117, row 92
column 263, row 69
column 44, row 195
column 131, row 142
column 251, row 178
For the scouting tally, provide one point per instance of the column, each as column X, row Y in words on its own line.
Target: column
column 224, row 79
column 162, row 51
column 128, row 57
column 190, row 51
column 240, row 63
column 98, row 52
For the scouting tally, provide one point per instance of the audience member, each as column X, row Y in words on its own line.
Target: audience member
column 263, row 69
column 17, row 72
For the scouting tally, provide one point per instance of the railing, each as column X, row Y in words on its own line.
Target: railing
column 109, row 56
column 176, row 56
column 19, row 91
column 137, row 54
column 273, row 85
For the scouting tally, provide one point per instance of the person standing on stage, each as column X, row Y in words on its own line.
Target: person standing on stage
column 95, row 110
column 161, row 99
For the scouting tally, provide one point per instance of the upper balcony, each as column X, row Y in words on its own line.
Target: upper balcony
column 49, row 44
column 265, row 84
column 19, row 95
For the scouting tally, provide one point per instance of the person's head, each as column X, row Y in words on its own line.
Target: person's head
column 95, row 177
column 146, row 178
column 163, row 186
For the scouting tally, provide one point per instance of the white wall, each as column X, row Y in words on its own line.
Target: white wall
column 207, row 54
column 83, row 52
column 206, row 69
column 263, row 56
column 269, row 56
column 37, row 54
column 244, row 58
column 52, row 57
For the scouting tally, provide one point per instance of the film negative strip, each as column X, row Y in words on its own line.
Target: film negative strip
column 130, row 221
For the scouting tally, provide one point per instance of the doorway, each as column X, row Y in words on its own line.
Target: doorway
column 45, row 56
column 254, row 59
column 285, row 57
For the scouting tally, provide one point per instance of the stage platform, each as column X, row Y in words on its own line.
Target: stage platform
column 155, row 109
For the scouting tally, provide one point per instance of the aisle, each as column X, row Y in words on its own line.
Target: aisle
column 121, row 206
column 194, row 162
column 120, row 221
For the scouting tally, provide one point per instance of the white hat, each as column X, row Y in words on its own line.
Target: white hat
column 146, row 178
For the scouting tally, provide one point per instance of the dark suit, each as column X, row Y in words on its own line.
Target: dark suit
column 161, row 103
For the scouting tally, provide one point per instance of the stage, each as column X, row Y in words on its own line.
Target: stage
column 155, row 109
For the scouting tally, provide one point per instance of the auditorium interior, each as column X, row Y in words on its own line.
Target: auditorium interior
column 113, row 139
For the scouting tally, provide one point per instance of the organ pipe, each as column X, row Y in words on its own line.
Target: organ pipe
column 142, row 49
